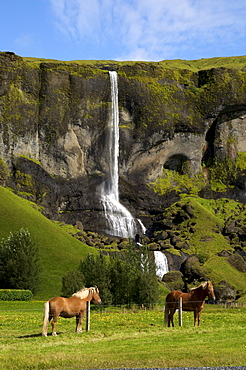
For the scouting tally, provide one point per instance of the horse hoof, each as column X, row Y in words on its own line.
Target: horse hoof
column 54, row 334
column 44, row 335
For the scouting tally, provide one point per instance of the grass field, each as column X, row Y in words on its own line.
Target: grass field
column 121, row 338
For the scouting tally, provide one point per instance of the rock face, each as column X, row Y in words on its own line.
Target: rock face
column 54, row 129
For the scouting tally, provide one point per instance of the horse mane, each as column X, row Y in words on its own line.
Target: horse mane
column 83, row 293
column 202, row 285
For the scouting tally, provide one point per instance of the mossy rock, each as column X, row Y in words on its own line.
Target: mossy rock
column 224, row 292
column 238, row 262
column 173, row 280
column 192, row 270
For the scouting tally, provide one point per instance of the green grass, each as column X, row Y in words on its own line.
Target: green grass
column 207, row 239
column 59, row 251
column 237, row 62
column 121, row 339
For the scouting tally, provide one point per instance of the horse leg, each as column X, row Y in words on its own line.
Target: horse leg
column 79, row 319
column 196, row 316
column 170, row 318
column 53, row 324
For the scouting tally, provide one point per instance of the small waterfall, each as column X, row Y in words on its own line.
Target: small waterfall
column 161, row 264
column 120, row 221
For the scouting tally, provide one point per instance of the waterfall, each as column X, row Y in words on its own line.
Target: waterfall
column 161, row 264
column 120, row 221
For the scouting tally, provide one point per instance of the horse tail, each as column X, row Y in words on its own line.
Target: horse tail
column 166, row 313
column 46, row 318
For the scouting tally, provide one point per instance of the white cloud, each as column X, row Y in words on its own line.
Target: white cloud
column 150, row 29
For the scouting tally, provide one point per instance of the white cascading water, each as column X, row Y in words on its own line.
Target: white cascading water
column 161, row 264
column 120, row 221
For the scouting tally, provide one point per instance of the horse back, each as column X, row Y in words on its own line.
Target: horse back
column 66, row 307
column 57, row 304
column 190, row 301
column 172, row 298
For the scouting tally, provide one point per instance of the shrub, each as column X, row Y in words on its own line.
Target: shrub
column 15, row 295
column 72, row 282
column 95, row 271
column 126, row 278
column 19, row 262
column 4, row 172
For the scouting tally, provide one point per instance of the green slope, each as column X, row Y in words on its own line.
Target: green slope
column 59, row 251
column 207, row 240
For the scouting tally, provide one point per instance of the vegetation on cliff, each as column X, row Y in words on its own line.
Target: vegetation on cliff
column 53, row 125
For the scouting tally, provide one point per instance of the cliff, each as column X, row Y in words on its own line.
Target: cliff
column 186, row 117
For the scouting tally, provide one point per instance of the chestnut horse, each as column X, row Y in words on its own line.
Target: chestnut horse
column 193, row 301
column 69, row 307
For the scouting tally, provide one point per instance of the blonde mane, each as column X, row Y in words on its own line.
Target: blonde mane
column 82, row 293
column 203, row 285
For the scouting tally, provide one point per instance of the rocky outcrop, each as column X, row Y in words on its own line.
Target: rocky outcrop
column 54, row 129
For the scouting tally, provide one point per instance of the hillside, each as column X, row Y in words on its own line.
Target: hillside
column 211, row 230
column 59, row 251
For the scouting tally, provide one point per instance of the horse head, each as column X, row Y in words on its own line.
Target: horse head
column 210, row 290
column 95, row 295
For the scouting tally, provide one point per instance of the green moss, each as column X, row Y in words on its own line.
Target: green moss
column 172, row 180
column 4, row 171
column 23, row 179
column 191, row 65
column 224, row 173
column 30, row 159
column 173, row 251
column 240, row 162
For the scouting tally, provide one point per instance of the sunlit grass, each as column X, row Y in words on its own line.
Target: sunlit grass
column 121, row 338
column 55, row 241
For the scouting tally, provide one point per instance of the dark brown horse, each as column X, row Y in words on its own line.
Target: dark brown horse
column 69, row 307
column 193, row 301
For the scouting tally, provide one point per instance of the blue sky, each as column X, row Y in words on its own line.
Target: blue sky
column 150, row 30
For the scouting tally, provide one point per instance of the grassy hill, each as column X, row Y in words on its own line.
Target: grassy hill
column 59, row 251
column 207, row 239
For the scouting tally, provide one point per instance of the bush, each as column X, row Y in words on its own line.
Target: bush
column 126, row 278
column 4, row 172
column 95, row 271
column 72, row 282
column 19, row 262
column 15, row 295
